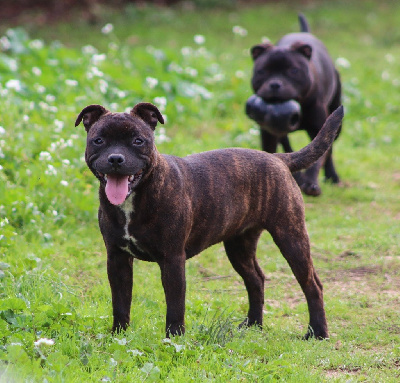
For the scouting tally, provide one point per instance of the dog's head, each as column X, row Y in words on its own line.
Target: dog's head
column 281, row 73
column 120, row 147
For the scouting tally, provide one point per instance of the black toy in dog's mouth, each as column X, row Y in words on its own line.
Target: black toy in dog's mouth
column 118, row 187
column 278, row 118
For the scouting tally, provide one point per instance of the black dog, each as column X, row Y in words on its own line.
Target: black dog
column 167, row 209
column 298, row 70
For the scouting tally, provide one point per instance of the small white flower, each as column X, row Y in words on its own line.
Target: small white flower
column 240, row 31
column 39, row 88
column 2, row 130
column 25, row 118
column 343, row 62
column 5, row 43
column 50, row 98
column 44, row 156
column 70, row 82
column 55, row 213
column 385, row 75
column 108, row 28
column 89, row 50
column 103, row 85
column 36, row 44
column 36, row 71
column 239, row 74
column 161, row 102
column 186, row 51
column 51, row 170
column 59, row 125
column 199, row 39
column 66, row 162
column 96, row 59
column 45, row 341
column 151, row 82
column 14, row 84
column 64, row 183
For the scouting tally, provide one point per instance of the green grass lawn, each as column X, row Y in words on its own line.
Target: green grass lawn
column 195, row 66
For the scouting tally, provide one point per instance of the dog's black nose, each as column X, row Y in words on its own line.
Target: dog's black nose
column 275, row 85
column 116, row 159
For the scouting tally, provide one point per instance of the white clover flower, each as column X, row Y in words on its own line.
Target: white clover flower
column 191, row 71
column 55, row 213
column 186, row 51
column 44, row 341
column 39, row 88
column 1, row 167
column 36, row 71
column 64, row 183
column 70, row 82
column 14, row 84
column 25, row 118
column 5, row 43
column 343, row 62
column 59, row 125
column 103, row 85
column 161, row 102
column 199, row 39
column 108, row 28
column 45, row 156
column 161, row 136
column 66, row 162
column 240, row 31
column 89, row 50
column 2, row 130
column 98, row 58
column 239, row 74
column 51, row 170
column 36, row 44
column 121, row 94
column 151, row 82
column 50, row 98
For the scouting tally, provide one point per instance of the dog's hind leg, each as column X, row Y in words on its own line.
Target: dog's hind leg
column 292, row 240
column 241, row 251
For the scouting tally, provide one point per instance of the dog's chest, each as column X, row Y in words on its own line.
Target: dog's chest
column 131, row 244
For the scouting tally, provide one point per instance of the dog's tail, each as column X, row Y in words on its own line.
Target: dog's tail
column 304, row 26
column 317, row 147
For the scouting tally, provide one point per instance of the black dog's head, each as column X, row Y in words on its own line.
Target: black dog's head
column 281, row 73
column 120, row 146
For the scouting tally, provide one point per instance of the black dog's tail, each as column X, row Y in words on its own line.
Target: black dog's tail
column 304, row 26
column 317, row 147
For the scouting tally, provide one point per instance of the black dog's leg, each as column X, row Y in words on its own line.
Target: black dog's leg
column 269, row 142
column 294, row 245
column 241, row 251
column 286, row 144
column 119, row 269
column 330, row 171
column 174, row 283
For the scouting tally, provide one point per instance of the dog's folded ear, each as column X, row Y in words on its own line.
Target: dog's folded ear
column 90, row 115
column 148, row 113
column 304, row 49
column 259, row 49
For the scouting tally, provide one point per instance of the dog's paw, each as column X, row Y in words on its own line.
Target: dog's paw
column 175, row 330
column 320, row 333
column 311, row 189
column 333, row 178
column 249, row 323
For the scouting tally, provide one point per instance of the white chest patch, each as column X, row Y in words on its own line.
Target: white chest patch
column 127, row 209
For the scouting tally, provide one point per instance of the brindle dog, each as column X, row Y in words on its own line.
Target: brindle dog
column 166, row 209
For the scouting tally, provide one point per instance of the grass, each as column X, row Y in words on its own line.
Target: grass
column 53, row 281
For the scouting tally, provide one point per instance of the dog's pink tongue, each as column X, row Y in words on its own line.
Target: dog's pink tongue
column 117, row 188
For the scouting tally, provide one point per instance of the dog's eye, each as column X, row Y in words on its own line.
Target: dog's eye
column 294, row 71
column 98, row 141
column 138, row 141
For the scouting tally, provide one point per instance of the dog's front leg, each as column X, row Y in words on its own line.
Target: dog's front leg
column 119, row 269
column 174, row 283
